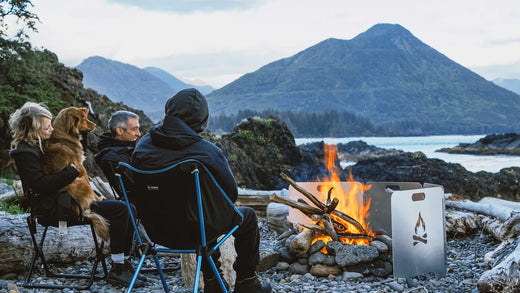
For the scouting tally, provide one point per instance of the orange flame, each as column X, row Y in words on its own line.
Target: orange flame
column 350, row 200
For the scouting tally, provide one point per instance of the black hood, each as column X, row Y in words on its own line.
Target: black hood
column 190, row 106
column 173, row 133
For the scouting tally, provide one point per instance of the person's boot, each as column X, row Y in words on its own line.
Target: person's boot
column 211, row 285
column 130, row 268
column 251, row 285
column 119, row 275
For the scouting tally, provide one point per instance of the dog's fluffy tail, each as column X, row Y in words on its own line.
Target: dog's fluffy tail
column 101, row 225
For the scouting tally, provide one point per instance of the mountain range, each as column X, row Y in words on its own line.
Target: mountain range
column 385, row 74
column 146, row 89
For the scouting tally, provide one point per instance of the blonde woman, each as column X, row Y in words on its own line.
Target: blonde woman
column 30, row 126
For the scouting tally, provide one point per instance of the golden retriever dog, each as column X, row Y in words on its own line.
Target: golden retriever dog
column 63, row 149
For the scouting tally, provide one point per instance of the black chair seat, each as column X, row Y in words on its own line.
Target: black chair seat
column 51, row 222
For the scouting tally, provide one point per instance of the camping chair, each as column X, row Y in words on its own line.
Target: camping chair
column 183, row 208
column 52, row 221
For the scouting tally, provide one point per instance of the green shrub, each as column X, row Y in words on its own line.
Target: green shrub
column 13, row 209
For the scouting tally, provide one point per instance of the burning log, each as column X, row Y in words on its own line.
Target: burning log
column 307, row 194
column 337, row 218
column 334, row 222
column 305, row 208
column 327, row 223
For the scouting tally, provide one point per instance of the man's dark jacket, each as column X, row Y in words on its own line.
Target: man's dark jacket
column 168, row 143
column 111, row 152
column 173, row 141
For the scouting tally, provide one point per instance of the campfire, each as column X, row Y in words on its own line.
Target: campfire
column 337, row 212
column 333, row 232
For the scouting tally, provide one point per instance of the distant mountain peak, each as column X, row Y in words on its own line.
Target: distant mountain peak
column 386, row 74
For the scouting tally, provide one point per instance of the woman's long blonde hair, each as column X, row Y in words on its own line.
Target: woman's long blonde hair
column 26, row 124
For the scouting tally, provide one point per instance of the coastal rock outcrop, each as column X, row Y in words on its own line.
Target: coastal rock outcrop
column 416, row 167
column 493, row 144
column 258, row 150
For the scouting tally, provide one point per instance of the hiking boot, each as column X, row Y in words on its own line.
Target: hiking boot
column 119, row 275
column 211, row 285
column 128, row 266
column 251, row 285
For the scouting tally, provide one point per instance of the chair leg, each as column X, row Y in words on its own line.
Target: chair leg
column 161, row 274
column 197, row 273
column 38, row 254
column 216, row 273
column 146, row 250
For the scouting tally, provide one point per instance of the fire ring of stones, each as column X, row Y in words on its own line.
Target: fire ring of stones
column 334, row 258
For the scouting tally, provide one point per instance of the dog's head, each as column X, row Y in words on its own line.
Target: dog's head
column 73, row 121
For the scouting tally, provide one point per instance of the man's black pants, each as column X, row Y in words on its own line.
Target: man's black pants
column 121, row 228
column 247, row 247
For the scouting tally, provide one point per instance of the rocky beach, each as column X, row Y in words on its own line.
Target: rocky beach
column 464, row 264
column 256, row 166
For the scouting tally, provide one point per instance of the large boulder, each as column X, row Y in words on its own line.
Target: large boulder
column 258, row 150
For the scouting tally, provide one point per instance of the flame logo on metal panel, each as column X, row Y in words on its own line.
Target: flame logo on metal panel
column 420, row 228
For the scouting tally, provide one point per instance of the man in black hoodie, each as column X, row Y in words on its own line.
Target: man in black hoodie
column 178, row 138
column 117, row 145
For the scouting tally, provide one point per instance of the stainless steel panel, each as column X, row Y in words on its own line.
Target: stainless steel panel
column 418, row 232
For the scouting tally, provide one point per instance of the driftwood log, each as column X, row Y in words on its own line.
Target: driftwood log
column 16, row 247
column 500, row 219
column 258, row 200
column 487, row 208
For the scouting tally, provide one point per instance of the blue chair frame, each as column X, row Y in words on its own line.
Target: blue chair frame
column 201, row 251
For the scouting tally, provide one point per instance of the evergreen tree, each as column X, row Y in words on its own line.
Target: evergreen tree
column 18, row 9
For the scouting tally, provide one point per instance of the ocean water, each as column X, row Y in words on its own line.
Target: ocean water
column 428, row 145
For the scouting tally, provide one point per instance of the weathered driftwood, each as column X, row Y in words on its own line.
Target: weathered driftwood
column 305, row 208
column 492, row 227
column 12, row 196
column 258, row 202
column 501, row 219
column 307, row 194
column 485, row 209
column 277, row 214
column 16, row 247
column 302, row 242
column 459, row 223
column 507, row 205
column 505, row 274
column 101, row 187
column 227, row 257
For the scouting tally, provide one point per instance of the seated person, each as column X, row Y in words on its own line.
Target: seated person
column 30, row 126
column 117, row 145
column 178, row 138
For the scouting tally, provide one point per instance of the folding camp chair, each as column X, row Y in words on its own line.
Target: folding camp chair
column 183, row 208
column 52, row 221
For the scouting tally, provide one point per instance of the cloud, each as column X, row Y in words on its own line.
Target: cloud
column 190, row 6
column 217, row 41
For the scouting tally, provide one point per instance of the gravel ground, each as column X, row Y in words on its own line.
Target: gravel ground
column 464, row 266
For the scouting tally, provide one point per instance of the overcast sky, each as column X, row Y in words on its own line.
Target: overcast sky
column 217, row 41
